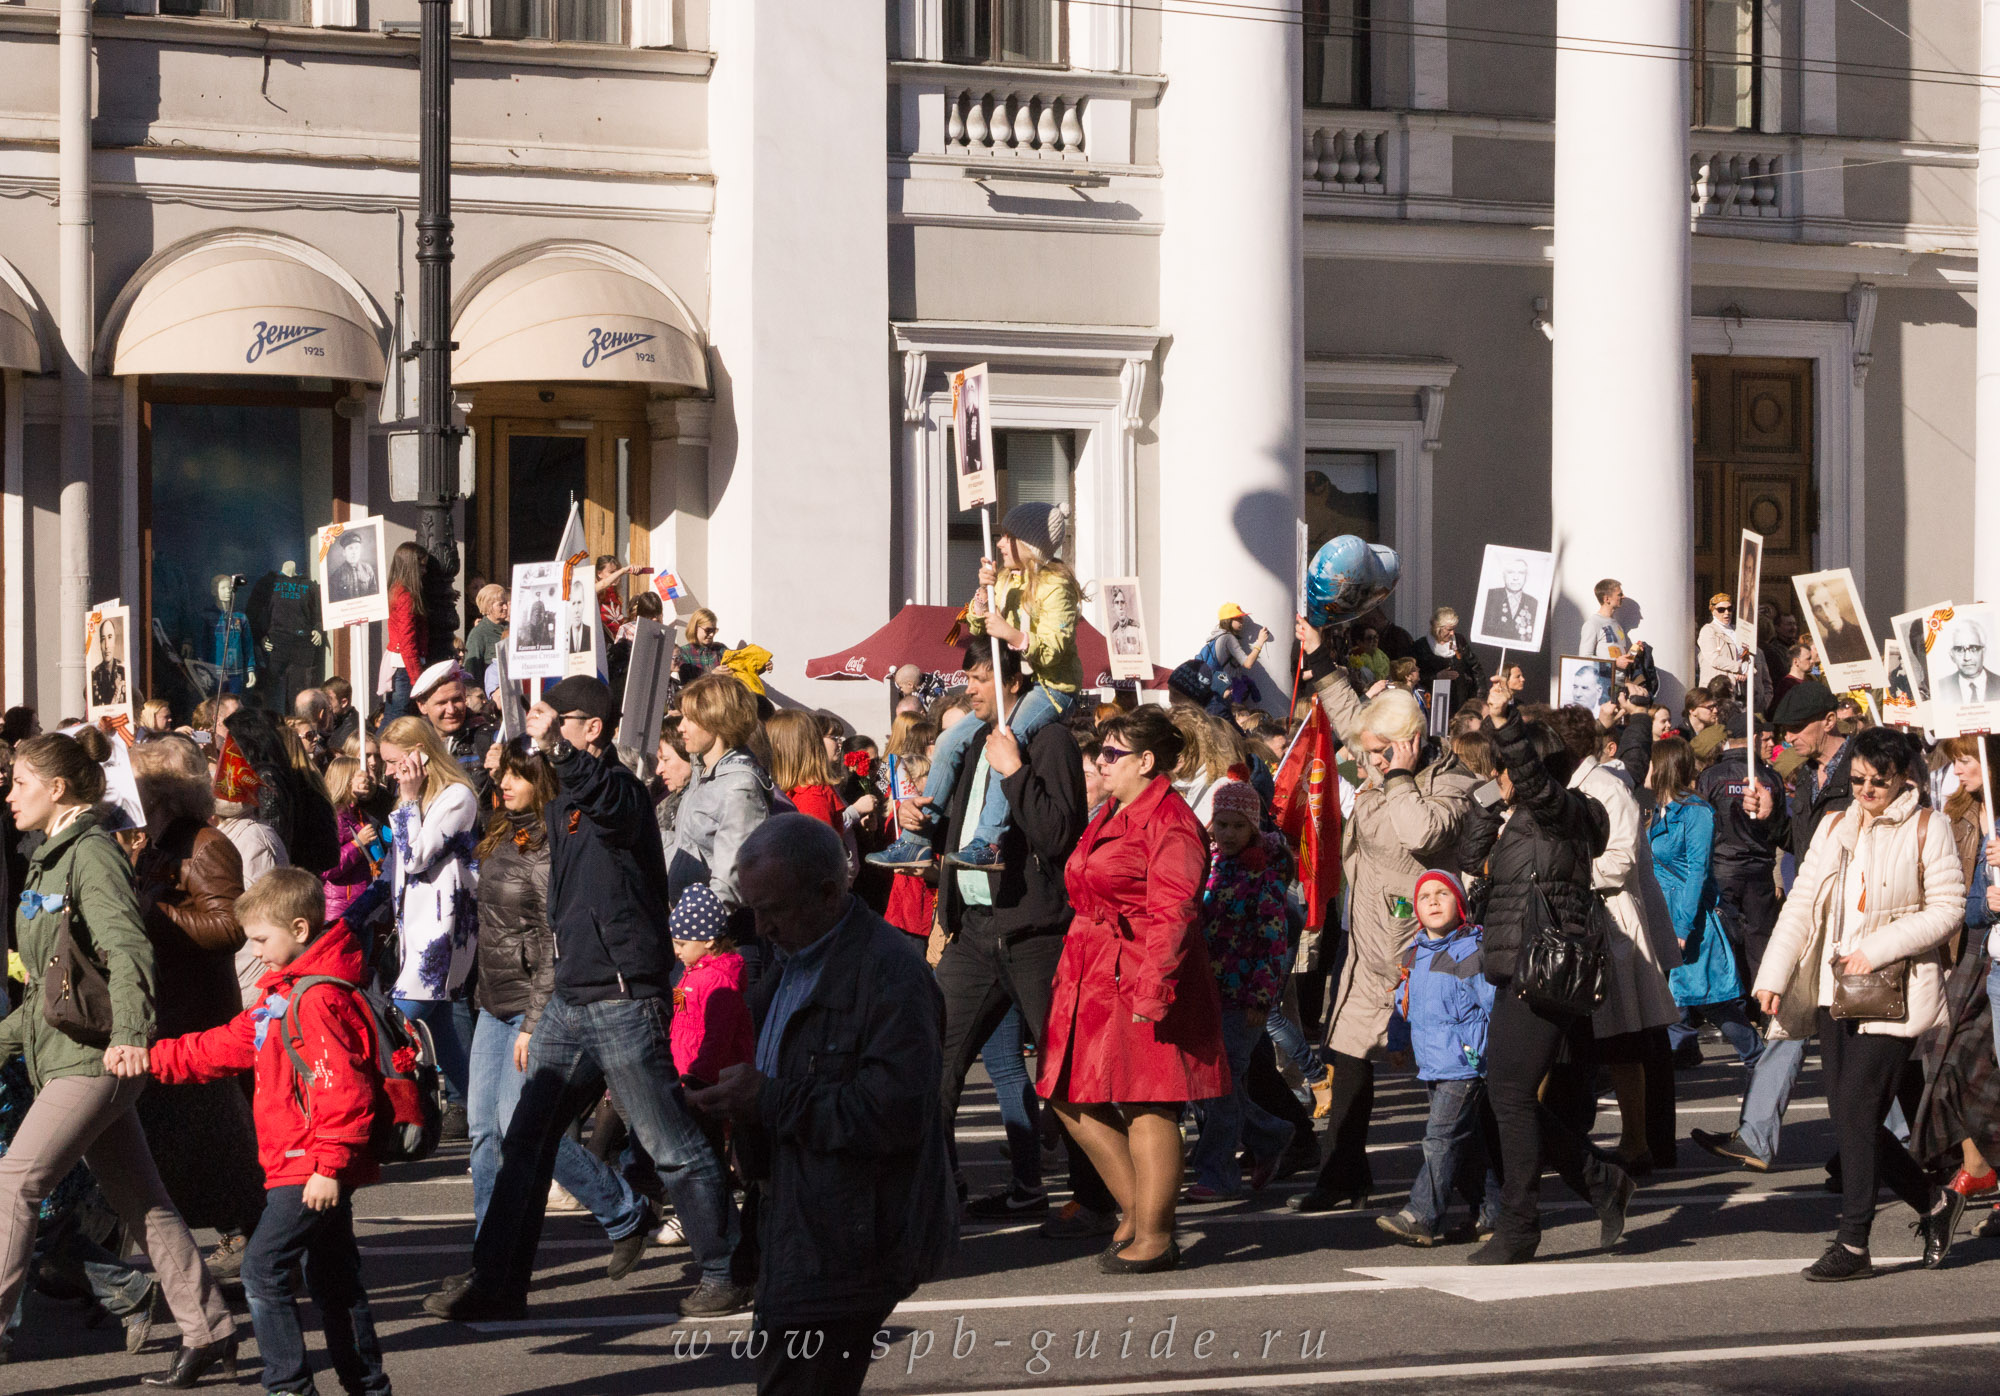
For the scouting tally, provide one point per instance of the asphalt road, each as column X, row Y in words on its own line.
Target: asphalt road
column 1703, row 1295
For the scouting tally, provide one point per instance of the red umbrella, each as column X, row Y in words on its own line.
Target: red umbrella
column 916, row 636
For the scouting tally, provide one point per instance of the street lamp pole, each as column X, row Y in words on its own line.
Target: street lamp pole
column 437, row 438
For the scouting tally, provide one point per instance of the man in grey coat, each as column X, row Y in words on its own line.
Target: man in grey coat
column 839, row 1128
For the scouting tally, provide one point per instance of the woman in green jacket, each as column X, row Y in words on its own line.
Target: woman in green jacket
column 80, row 1110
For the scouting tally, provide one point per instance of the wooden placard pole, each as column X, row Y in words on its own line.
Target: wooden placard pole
column 993, row 610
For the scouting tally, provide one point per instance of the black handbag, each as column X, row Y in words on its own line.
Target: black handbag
column 76, row 994
column 1559, row 968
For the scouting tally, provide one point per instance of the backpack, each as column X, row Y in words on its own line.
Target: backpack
column 409, row 1094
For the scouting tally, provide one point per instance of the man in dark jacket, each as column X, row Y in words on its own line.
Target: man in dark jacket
column 838, row 1128
column 1007, row 930
column 1806, row 718
column 604, row 1026
column 1751, row 825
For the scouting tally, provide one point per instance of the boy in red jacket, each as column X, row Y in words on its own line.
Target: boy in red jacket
column 312, row 1134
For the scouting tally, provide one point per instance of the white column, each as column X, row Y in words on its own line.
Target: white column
column 801, row 452
column 1986, row 400
column 78, row 322
column 1232, row 393
column 1620, row 476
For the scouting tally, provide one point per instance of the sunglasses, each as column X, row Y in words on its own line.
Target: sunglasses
column 1877, row 782
column 1111, row 755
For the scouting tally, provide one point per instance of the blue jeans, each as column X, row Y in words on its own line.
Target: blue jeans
column 579, row 1049
column 1288, row 1037
column 1455, row 1154
column 398, row 703
column 1037, row 708
column 1730, row 1020
column 1771, row 1082
column 290, row 1234
column 1234, row 1120
column 494, row 1091
column 1019, row 1105
column 438, row 1015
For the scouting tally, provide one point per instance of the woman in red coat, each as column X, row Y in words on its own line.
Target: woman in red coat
column 1135, row 1027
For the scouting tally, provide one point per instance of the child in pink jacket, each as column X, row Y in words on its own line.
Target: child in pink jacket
column 711, row 1026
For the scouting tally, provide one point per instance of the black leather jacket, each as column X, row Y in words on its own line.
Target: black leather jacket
column 517, row 950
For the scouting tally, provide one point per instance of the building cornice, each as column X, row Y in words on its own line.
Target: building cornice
column 1026, row 343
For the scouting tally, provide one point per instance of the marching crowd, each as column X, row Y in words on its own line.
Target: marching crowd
column 728, row 1001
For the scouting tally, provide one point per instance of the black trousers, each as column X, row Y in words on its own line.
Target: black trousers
column 815, row 1357
column 1346, row 1170
column 1861, row 1072
column 1268, row 1089
column 1748, row 905
column 1522, row 1043
column 981, row 977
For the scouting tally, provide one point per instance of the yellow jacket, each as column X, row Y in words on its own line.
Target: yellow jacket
column 1048, row 620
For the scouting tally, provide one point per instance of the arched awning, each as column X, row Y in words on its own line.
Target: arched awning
column 563, row 317
column 19, row 348
column 246, row 309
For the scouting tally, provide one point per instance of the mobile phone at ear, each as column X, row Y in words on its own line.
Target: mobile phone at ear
column 1487, row 795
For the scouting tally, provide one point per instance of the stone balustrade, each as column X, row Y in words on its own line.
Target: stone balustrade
column 1347, row 159
column 1035, row 125
column 1737, row 184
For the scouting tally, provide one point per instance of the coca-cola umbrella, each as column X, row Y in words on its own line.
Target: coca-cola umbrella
column 917, row 635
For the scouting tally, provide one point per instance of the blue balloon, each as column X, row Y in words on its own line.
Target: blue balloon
column 1348, row 578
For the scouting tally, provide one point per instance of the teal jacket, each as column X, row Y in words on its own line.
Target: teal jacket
column 85, row 862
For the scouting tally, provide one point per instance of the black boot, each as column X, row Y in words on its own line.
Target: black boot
column 1506, row 1249
column 1937, row 1227
column 190, row 1364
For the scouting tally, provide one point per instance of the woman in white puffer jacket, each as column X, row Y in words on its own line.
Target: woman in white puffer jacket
column 1881, row 883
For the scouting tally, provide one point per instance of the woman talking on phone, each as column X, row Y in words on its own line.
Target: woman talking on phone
column 433, row 873
column 1854, row 961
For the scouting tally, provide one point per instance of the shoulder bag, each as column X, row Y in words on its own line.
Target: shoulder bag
column 76, row 993
column 1559, row 968
column 1882, row 994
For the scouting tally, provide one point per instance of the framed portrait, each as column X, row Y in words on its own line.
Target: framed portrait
column 1513, row 609
column 1749, row 580
column 1125, row 629
column 1583, row 682
column 1964, row 679
column 535, row 641
column 353, row 573
column 972, row 437
column 1831, row 604
column 1906, row 680
column 107, row 663
column 583, row 641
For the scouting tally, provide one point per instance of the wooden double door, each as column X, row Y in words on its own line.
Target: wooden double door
column 542, row 449
column 1753, row 468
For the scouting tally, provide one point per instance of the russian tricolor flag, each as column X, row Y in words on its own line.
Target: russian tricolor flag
column 669, row 586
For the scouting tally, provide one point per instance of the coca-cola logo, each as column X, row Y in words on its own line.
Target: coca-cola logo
column 855, row 665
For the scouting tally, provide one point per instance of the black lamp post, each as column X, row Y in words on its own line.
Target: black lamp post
column 437, row 439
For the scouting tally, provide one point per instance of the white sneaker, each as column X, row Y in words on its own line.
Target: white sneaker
column 560, row 1199
column 670, row 1233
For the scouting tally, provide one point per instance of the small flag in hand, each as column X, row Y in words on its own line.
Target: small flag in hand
column 668, row 584
column 1306, row 809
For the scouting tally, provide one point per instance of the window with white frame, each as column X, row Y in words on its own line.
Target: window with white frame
column 266, row 11
column 1727, row 47
column 1004, row 31
column 1338, row 34
column 1031, row 467
column 560, row 21
column 1343, row 494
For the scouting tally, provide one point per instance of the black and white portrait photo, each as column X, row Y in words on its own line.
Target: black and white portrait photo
column 1749, row 576
column 1513, row 598
column 1125, row 629
column 533, row 648
column 353, row 580
column 972, row 437
column 107, row 662
column 1965, row 685
column 1832, row 606
column 1583, row 682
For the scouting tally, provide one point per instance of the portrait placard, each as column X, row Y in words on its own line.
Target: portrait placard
column 1582, row 682
column 972, row 438
column 535, row 640
column 1514, row 597
column 649, row 685
column 1965, row 685
column 1440, row 706
column 583, row 629
column 353, row 573
column 107, row 660
column 1749, row 579
column 1831, row 604
column 513, row 708
column 1125, row 629
column 1906, row 698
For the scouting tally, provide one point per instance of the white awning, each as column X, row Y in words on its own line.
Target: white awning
column 567, row 318
column 236, row 309
column 18, row 346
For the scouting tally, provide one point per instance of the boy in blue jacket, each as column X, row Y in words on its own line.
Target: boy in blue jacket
column 1446, row 1000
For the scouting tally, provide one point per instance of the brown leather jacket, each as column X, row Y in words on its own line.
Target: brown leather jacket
column 188, row 883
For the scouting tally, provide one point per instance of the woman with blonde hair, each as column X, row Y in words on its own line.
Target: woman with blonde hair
column 699, row 652
column 1212, row 747
column 433, row 872
column 729, row 793
column 801, row 768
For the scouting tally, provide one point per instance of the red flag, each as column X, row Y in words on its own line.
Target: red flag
column 1307, row 811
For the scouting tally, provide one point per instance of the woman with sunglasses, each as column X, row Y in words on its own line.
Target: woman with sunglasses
column 1135, row 1024
column 1880, row 886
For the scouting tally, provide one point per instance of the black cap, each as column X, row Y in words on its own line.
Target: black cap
column 581, row 694
column 1805, row 703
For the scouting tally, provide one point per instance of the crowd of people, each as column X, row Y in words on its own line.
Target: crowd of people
column 759, row 965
